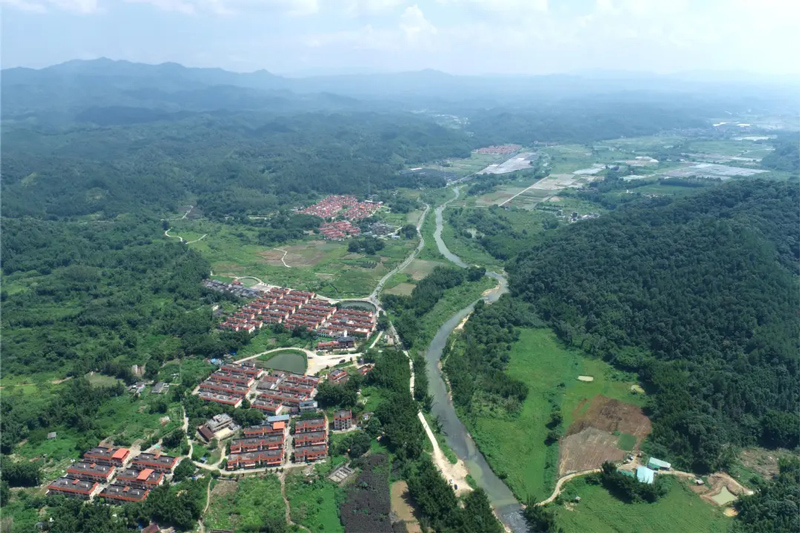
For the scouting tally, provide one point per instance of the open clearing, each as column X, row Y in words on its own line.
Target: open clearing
column 324, row 267
column 403, row 289
column 246, row 505
column 600, row 512
column 307, row 254
column 587, row 449
column 420, row 268
column 603, row 429
column 401, row 506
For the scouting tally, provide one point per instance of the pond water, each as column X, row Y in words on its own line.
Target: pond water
column 288, row 361
column 724, row 497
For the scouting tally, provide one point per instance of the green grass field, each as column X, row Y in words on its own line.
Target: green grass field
column 256, row 501
column 515, row 447
column 316, row 504
column 599, row 512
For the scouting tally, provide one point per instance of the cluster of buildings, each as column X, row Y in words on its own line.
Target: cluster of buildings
column 260, row 446
column 498, row 150
column 647, row 474
column 310, row 440
column 339, row 230
column 114, row 474
column 235, row 287
column 230, row 384
column 281, row 392
column 331, row 206
column 300, row 309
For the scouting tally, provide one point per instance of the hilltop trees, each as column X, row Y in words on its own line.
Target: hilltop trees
column 699, row 296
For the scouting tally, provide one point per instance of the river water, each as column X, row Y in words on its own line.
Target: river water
column 456, row 435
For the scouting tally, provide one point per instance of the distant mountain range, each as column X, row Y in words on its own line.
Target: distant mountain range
column 69, row 89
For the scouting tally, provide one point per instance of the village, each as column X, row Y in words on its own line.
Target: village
column 294, row 432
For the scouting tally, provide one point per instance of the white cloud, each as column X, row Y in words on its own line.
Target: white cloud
column 367, row 7
column 43, row 6
column 298, row 8
column 414, row 24
column 502, row 6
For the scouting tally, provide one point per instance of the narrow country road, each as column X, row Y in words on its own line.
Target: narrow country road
column 283, row 257
column 379, row 287
column 561, row 481
column 282, row 477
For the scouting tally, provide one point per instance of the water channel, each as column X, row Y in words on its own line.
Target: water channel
column 500, row 496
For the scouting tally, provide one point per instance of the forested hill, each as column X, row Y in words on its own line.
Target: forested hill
column 232, row 164
column 700, row 296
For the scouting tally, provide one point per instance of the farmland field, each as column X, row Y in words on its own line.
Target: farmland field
column 600, row 512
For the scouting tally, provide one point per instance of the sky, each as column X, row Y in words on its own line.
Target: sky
column 303, row 37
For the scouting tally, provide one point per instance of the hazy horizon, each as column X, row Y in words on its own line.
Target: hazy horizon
column 461, row 37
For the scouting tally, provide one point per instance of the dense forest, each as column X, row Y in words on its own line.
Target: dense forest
column 786, row 155
column 231, row 164
column 700, row 297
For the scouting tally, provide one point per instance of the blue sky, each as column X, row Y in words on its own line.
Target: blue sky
column 457, row 36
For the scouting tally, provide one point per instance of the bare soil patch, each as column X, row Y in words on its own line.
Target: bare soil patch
column 720, row 489
column 224, row 487
column 612, row 415
column 402, row 507
column 587, row 449
column 590, row 439
column 764, row 462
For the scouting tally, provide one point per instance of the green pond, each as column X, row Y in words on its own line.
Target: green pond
column 288, row 361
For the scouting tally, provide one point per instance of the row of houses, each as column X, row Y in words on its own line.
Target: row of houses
column 230, row 383
column 120, row 477
column 261, row 445
column 310, row 440
column 302, row 310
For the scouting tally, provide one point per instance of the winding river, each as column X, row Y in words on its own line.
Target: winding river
column 456, row 434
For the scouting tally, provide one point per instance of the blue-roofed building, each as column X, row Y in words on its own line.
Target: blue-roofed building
column 645, row 475
column 278, row 418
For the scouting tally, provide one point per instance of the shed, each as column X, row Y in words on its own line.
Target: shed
column 645, row 475
column 52, row 435
column 658, row 464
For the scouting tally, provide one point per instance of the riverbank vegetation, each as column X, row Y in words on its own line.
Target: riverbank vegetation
column 440, row 293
